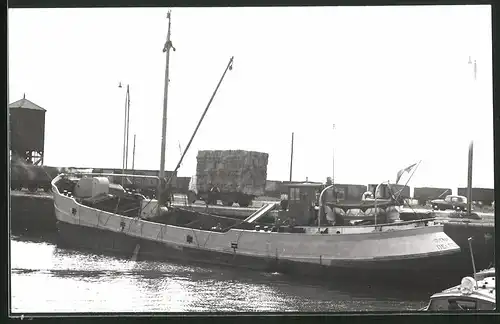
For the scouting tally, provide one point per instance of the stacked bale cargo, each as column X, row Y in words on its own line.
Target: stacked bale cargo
column 239, row 175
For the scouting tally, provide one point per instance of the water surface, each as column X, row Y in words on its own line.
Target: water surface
column 45, row 278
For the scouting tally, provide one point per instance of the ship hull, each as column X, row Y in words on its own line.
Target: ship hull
column 425, row 273
column 376, row 253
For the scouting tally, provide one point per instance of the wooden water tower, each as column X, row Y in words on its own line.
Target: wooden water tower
column 27, row 131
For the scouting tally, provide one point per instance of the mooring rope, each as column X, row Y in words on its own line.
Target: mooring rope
column 197, row 243
column 208, row 237
column 162, row 227
column 98, row 217
column 239, row 236
column 109, row 216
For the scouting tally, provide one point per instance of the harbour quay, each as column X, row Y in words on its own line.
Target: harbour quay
column 32, row 212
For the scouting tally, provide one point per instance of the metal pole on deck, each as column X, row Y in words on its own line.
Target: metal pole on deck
column 166, row 49
column 472, row 257
column 128, row 124
column 124, row 134
column 291, row 160
column 133, row 155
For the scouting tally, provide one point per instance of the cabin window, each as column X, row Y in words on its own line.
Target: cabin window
column 340, row 194
column 451, row 304
column 294, row 194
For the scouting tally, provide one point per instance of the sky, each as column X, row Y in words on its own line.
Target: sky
column 395, row 82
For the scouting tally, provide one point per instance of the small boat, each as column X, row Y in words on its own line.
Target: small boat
column 473, row 294
column 476, row 293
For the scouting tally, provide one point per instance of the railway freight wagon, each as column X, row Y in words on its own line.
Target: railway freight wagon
column 384, row 193
column 274, row 188
column 31, row 177
column 239, row 175
column 183, row 185
column 484, row 195
column 425, row 194
column 346, row 193
column 401, row 190
column 146, row 186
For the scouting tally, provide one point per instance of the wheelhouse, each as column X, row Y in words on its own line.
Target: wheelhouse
column 302, row 201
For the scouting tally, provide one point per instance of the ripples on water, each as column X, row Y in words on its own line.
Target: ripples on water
column 45, row 278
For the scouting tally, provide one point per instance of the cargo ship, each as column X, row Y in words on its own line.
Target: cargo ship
column 93, row 213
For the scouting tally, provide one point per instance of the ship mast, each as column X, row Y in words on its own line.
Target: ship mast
column 291, row 160
column 161, row 182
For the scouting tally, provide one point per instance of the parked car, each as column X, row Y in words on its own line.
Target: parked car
column 458, row 203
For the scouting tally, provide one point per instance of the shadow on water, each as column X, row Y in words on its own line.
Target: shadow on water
column 31, row 234
column 213, row 273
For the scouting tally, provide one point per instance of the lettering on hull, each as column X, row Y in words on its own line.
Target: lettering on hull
column 443, row 243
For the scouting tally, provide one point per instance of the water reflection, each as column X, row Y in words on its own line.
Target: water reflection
column 46, row 278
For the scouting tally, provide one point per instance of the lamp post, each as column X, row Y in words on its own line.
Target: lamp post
column 333, row 154
column 471, row 145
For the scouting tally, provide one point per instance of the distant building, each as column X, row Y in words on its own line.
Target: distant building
column 27, row 131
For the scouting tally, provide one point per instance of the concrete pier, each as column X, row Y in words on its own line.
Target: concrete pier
column 483, row 241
